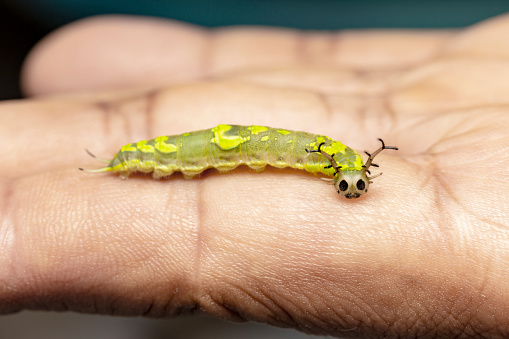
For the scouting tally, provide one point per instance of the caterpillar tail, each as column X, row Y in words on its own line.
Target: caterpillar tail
column 99, row 170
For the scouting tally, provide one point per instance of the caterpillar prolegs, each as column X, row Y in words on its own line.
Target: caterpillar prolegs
column 225, row 147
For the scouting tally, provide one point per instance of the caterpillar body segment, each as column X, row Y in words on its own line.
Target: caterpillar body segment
column 225, row 147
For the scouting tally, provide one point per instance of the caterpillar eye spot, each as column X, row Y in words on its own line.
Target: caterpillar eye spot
column 361, row 185
column 343, row 185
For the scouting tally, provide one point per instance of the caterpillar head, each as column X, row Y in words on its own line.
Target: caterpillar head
column 354, row 183
column 351, row 184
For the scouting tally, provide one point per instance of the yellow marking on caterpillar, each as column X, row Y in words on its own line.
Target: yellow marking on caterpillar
column 265, row 138
column 357, row 165
column 283, row 131
column 226, row 142
column 128, row 148
column 257, row 129
column 143, row 166
column 319, row 139
column 163, row 147
column 141, row 145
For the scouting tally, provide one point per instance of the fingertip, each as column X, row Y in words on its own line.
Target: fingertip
column 113, row 52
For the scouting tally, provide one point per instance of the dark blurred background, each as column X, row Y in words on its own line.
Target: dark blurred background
column 24, row 22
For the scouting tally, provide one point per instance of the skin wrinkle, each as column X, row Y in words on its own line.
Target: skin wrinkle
column 257, row 300
column 265, row 303
column 287, row 315
column 452, row 317
column 218, row 304
column 275, row 309
column 105, row 107
column 324, row 99
column 233, row 311
column 389, row 110
column 206, row 64
column 417, row 325
column 463, row 329
column 171, row 307
column 444, row 187
column 132, row 127
column 251, row 76
column 300, row 48
column 438, row 202
column 477, row 310
column 236, row 313
column 199, row 246
column 7, row 193
column 333, row 43
column 8, row 244
column 150, row 100
column 464, row 133
column 429, row 119
column 317, row 322
column 341, row 320
column 362, row 114
column 290, row 320
column 109, row 109
column 336, row 45
column 361, row 305
column 375, row 317
column 324, row 54
column 451, row 132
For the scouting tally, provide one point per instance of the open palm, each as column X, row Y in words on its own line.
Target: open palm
column 425, row 252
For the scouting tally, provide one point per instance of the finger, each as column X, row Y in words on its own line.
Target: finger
column 279, row 247
column 100, row 244
column 475, row 56
column 485, row 39
column 112, row 52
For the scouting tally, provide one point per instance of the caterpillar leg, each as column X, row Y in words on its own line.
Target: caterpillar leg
column 257, row 168
column 159, row 174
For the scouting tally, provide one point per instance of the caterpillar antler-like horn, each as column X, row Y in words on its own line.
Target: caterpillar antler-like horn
column 369, row 162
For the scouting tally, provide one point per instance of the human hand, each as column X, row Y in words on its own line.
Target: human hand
column 423, row 253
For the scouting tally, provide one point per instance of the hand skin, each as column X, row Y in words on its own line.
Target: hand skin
column 424, row 254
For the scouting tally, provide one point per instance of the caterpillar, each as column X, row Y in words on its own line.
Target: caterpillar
column 225, row 147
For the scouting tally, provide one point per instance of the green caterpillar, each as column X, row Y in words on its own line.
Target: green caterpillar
column 225, row 147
